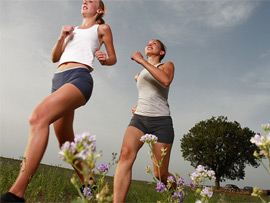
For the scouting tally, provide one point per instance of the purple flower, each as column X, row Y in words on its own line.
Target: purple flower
column 87, row 193
column 178, row 196
column 160, row 187
column 103, row 168
column 180, row 181
column 170, row 179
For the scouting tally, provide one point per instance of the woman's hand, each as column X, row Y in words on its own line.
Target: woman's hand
column 138, row 57
column 59, row 47
column 66, row 30
column 134, row 109
column 101, row 56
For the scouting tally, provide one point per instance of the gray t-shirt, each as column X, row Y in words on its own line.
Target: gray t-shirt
column 153, row 96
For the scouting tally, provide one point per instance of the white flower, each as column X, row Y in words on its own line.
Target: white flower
column 257, row 140
column 207, row 192
column 211, row 174
column 149, row 138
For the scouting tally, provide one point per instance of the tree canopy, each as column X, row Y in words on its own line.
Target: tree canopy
column 221, row 146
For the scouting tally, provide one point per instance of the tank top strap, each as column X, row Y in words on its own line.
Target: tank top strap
column 159, row 64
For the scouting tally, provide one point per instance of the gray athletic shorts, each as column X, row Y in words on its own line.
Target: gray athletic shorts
column 79, row 76
column 161, row 126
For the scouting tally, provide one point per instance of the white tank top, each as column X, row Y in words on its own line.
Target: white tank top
column 80, row 46
column 153, row 96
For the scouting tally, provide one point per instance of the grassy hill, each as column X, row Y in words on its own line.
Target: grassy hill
column 52, row 184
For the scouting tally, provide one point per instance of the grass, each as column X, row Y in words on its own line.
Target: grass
column 52, row 184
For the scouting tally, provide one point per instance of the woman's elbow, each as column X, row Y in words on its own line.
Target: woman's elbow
column 166, row 83
column 54, row 59
column 114, row 61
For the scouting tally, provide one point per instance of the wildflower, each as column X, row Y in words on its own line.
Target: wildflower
column 211, row 174
column 256, row 154
column 196, row 177
column 82, row 155
column 85, row 140
column 170, row 179
column 200, row 168
column 268, row 138
column 99, row 155
column 103, row 168
column 150, row 154
column 257, row 140
column 87, row 193
column 256, row 192
column 67, row 152
column 149, row 138
column 160, row 187
column 207, row 192
column 199, row 201
column 266, row 127
column 148, row 170
column 164, row 151
column 180, row 181
column 178, row 196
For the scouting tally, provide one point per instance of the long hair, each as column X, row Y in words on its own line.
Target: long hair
column 99, row 19
column 163, row 48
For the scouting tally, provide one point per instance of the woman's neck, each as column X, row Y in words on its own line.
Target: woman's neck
column 153, row 60
column 88, row 22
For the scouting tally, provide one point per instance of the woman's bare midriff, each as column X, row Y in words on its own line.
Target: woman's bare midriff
column 68, row 65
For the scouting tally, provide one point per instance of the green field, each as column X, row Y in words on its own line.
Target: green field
column 52, row 184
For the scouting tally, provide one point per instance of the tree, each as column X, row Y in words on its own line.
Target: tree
column 221, row 146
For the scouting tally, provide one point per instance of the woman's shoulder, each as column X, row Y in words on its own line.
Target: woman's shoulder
column 104, row 27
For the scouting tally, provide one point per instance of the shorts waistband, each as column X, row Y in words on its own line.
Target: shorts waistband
column 80, row 67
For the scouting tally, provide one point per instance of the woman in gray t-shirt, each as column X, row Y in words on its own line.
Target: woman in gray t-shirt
column 151, row 116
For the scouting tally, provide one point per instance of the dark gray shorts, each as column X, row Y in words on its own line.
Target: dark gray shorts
column 160, row 126
column 79, row 76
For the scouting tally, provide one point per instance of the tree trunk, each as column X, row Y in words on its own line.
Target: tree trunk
column 217, row 185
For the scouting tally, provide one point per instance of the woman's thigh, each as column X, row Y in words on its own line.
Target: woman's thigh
column 131, row 142
column 60, row 103
column 63, row 128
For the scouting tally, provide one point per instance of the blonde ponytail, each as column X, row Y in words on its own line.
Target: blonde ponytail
column 99, row 19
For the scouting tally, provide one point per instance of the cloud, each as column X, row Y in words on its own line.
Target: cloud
column 198, row 21
column 223, row 14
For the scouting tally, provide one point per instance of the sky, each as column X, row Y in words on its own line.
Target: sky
column 221, row 53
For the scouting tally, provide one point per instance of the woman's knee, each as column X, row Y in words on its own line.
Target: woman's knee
column 37, row 118
column 127, row 154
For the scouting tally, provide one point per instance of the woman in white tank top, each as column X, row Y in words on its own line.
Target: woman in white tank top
column 151, row 116
column 55, row 108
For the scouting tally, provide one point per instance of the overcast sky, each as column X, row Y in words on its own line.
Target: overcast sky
column 221, row 52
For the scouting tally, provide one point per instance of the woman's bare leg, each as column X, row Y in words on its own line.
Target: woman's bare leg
column 131, row 146
column 63, row 128
column 164, row 169
column 64, row 100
